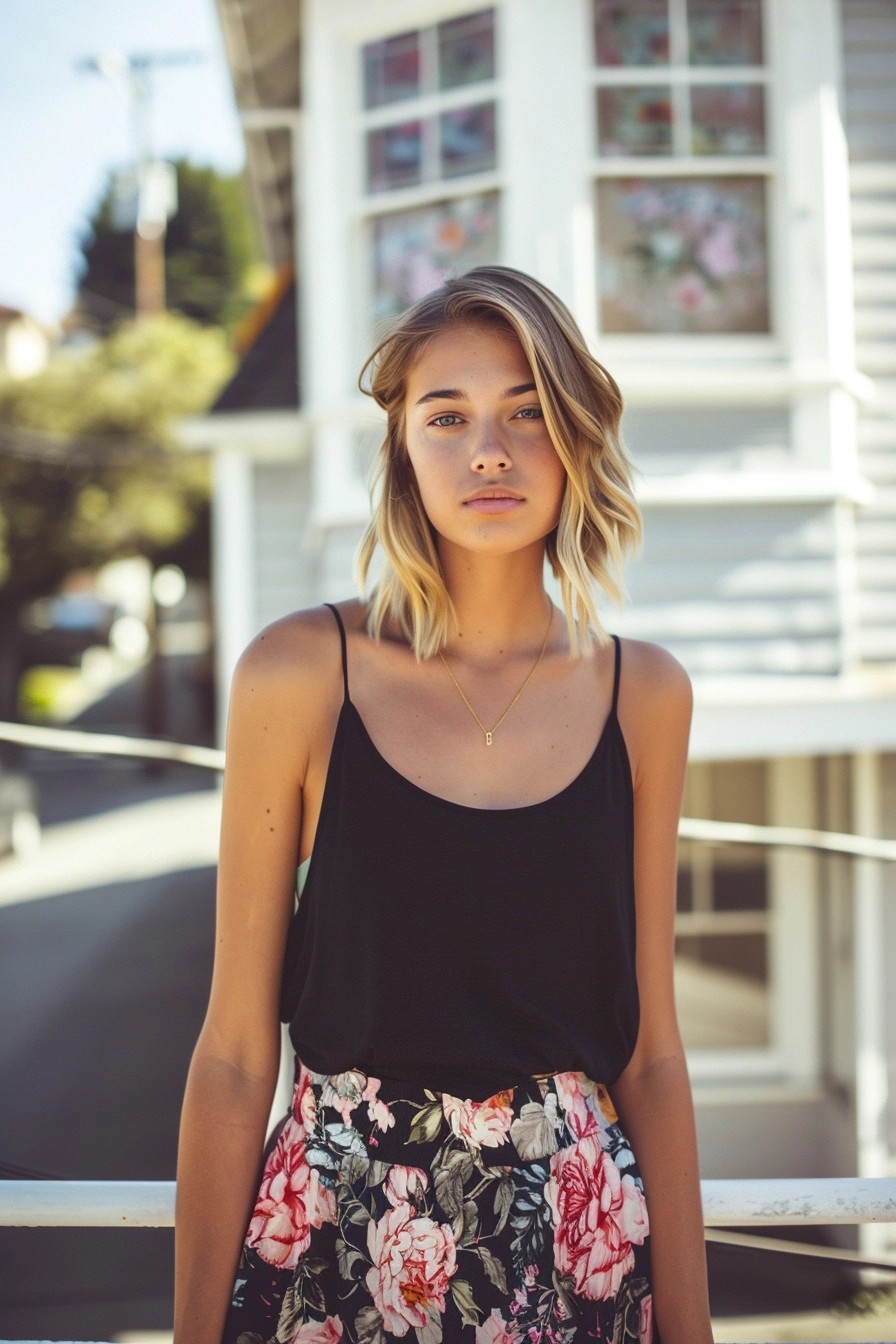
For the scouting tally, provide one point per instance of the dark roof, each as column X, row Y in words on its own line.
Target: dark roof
column 268, row 376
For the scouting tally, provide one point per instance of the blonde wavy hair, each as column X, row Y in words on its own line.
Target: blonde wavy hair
column 582, row 406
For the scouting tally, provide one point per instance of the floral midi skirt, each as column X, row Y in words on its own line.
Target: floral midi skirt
column 388, row 1211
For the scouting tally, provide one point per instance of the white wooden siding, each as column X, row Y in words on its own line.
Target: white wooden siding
column 735, row 590
column 282, row 554
column 740, row 438
column 869, row 60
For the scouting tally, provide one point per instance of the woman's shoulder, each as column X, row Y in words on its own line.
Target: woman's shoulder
column 652, row 675
column 298, row 656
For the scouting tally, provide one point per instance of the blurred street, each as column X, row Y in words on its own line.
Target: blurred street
column 105, row 954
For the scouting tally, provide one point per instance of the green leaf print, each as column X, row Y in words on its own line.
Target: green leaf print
column 462, row 1293
column 494, row 1270
column 426, row 1123
column 449, row 1174
column 347, row 1257
column 369, row 1326
column 534, row 1132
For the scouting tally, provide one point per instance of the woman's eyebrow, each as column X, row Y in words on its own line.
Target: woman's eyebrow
column 455, row 394
column 442, row 394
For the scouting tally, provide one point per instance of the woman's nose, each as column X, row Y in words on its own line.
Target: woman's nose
column 490, row 454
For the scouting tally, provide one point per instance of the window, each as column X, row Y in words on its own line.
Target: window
column 723, row 924
column 682, row 165
column 413, row 250
column 430, row 132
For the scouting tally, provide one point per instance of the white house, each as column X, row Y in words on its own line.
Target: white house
column 712, row 189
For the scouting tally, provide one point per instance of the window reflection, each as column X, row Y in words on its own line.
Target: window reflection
column 468, row 140
column 394, row 156
column 725, row 32
column 414, row 250
column 634, row 121
column 632, row 33
column 467, row 49
column 728, row 119
column 391, row 69
column 683, row 254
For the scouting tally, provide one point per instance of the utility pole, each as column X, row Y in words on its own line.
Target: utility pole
column 156, row 186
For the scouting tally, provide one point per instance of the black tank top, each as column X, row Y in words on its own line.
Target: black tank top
column 463, row 948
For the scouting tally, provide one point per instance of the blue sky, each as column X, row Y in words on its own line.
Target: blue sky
column 61, row 131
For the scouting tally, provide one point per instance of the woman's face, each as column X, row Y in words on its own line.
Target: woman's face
column 488, row 474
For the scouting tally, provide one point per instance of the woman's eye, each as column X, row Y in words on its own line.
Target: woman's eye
column 530, row 413
column 445, row 421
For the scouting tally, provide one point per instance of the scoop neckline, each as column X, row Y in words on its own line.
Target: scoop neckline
column 437, row 798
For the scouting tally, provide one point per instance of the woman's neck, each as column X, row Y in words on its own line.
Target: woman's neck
column 501, row 604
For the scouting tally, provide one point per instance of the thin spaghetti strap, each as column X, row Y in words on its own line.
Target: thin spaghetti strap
column 616, row 674
column 344, row 648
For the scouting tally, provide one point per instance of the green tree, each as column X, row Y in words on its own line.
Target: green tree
column 212, row 254
column 89, row 464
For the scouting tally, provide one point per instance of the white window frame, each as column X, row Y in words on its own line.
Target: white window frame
column 792, row 1055
column 714, row 346
column 367, row 206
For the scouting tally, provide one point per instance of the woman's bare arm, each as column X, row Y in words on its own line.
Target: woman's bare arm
column 280, row 695
column 653, row 1095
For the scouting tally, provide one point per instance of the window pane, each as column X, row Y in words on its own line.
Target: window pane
column 725, row 32
column 467, row 49
column 391, row 69
column 414, row 250
column 683, row 254
column 721, row 990
column 468, row 140
column 634, row 32
column 728, row 119
column 634, row 121
column 394, row 156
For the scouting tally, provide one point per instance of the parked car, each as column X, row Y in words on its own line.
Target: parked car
column 59, row 630
column 20, row 829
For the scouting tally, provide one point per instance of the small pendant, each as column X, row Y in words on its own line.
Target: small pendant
column 488, row 739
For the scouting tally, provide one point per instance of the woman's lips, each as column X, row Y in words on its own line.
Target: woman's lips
column 493, row 504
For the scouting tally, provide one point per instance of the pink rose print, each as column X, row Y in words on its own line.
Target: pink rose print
column 587, row 1104
column 599, row 1214
column 290, row 1202
column 481, row 1124
column 304, row 1103
column 413, row 1259
column 645, row 1325
column 319, row 1332
column 377, row 1110
column 402, row 1183
column 495, row 1330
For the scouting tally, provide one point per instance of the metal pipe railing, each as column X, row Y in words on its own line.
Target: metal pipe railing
column 212, row 758
column 726, row 1203
column 110, row 744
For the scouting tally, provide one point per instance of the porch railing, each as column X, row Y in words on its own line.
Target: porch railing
column 726, row 1203
column 822, row 1201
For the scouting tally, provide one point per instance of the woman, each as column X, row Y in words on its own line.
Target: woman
column 491, row 1136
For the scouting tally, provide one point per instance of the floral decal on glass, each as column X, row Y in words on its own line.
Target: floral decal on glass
column 684, row 254
column 415, row 250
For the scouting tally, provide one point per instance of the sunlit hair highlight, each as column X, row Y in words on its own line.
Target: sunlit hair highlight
column 582, row 406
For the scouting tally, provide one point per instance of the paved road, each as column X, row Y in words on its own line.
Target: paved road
column 105, row 955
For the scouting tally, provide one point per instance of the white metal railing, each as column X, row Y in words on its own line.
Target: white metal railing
column 212, row 758
column 726, row 1203
column 110, row 744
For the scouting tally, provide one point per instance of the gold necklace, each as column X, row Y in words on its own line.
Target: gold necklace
column 490, row 732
